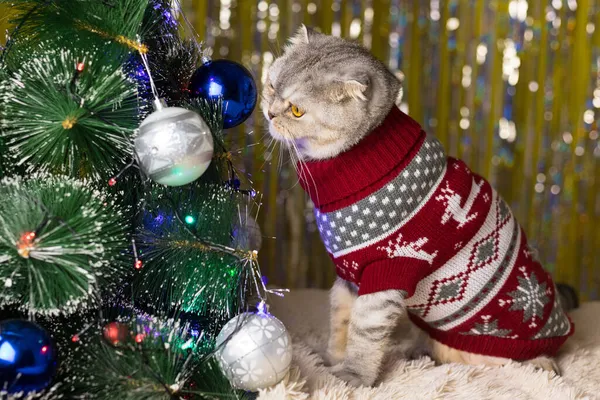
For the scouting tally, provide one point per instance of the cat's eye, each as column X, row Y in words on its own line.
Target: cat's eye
column 296, row 111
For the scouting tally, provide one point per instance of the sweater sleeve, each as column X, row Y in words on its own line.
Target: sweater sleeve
column 400, row 273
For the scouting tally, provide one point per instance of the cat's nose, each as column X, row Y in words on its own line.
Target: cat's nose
column 271, row 115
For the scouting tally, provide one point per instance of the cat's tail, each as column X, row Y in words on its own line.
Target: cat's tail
column 568, row 296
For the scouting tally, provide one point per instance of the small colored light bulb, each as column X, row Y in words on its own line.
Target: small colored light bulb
column 139, row 338
column 80, row 67
column 75, row 338
column 112, row 182
column 44, row 349
column 187, row 345
column 190, row 220
column 26, row 244
column 138, row 264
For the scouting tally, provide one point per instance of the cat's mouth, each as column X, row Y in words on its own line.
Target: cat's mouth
column 299, row 144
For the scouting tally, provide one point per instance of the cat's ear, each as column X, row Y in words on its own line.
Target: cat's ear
column 303, row 35
column 356, row 89
column 350, row 89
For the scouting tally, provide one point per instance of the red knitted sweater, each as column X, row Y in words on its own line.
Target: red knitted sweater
column 395, row 213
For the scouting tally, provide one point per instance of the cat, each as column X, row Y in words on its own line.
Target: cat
column 334, row 106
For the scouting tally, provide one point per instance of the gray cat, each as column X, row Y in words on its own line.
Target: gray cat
column 321, row 98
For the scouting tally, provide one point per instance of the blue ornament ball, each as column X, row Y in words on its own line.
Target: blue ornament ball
column 28, row 357
column 230, row 81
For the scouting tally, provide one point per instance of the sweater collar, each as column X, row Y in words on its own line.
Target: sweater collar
column 385, row 149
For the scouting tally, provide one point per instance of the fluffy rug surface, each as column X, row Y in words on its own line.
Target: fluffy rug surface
column 305, row 313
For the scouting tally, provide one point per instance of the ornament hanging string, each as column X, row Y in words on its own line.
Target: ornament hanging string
column 81, row 101
column 144, row 58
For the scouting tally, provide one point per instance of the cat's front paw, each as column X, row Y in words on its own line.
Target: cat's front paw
column 350, row 376
column 332, row 358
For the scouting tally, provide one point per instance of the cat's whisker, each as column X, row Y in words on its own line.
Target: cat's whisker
column 305, row 171
column 294, row 161
column 260, row 140
column 272, row 147
column 272, row 143
column 300, row 164
column 281, row 155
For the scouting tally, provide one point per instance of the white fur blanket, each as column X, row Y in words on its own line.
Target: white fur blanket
column 305, row 313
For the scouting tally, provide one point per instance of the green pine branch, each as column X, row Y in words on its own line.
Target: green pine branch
column 61, row 243
column 90, row 21
column 159, row 360
column 5, row 164
column 70, row 108
column 61, row 120
column 179, row 270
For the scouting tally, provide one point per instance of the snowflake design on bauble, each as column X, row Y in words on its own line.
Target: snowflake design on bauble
column 247, row 371
column 530, row 297
column 260, row 327
column 283, row 350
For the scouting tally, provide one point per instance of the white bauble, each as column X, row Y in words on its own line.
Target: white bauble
column 174, row 146
column 254, row 351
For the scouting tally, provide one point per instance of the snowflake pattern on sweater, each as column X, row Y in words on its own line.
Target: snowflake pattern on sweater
column 395, row 212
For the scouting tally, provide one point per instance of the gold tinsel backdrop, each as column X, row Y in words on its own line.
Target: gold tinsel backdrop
column 512, row 87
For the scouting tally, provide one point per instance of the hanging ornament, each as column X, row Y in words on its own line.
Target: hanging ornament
column 254, row 351
column 229, row 81
column 28, row 357
column 247, row 234
column 174, row 145
column 116, row 333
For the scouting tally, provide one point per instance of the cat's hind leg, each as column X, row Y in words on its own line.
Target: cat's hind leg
column 545, row 363
column 444, row 354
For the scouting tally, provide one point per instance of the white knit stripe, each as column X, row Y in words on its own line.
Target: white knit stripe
column 477, row 280
column 456, row 264
column 396, row 227
column 376, row 213
column 459, row 264
column 490, row 295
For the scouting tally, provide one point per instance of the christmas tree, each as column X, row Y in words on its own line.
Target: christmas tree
column 127, row 238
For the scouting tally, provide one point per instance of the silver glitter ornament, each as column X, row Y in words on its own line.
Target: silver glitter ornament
column 174, row 145
column 254, row 351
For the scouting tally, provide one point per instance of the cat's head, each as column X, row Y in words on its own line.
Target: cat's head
column 324, row 94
